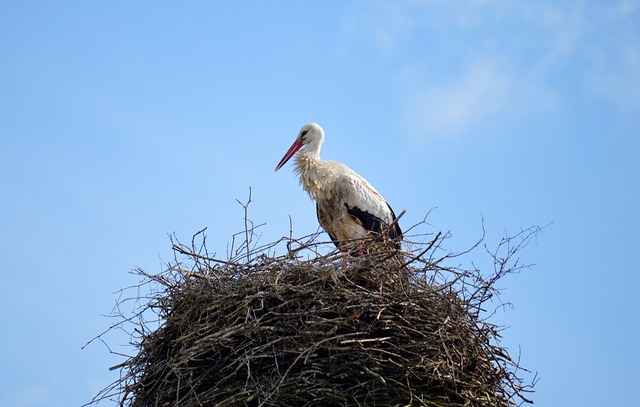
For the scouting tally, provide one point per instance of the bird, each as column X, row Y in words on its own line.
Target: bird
column 347, row 206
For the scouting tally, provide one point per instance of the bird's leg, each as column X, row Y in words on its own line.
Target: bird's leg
column 345, row 252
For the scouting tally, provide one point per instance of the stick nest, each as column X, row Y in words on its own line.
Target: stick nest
column 379, row 329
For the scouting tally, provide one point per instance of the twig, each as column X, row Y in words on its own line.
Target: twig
column 271, row 329
column 246, row 224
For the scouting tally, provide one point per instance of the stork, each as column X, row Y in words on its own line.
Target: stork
column 348, row 207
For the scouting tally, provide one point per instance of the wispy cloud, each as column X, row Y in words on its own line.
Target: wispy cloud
column 613, row 72
column 486, row 91
column 381, row 24
column 452, row 107
column 462, row 64
column 616, row 78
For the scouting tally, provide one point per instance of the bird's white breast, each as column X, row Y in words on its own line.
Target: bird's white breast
column 335, row 187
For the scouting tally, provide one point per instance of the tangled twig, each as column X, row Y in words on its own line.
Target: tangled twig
column 382, row 328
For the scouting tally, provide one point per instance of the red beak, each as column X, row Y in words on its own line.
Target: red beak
column 297, row 145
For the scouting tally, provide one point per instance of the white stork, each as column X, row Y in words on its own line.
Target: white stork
column 348, row 207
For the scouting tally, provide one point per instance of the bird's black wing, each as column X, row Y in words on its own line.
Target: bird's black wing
column 395, row 232
column 374, row 224
column 367, row 220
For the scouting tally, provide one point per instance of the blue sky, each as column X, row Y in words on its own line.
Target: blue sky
column 123, row 122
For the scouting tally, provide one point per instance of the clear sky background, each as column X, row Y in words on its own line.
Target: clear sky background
column 122, row 122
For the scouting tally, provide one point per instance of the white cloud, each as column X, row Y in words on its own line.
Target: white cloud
column 462, row 64
column 613, row 71
column 451, row 108
column 626, row 7
column 616, row 78
column 483, row 93
column 382, row 24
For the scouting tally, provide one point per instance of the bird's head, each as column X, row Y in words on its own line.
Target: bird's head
column 309, row 139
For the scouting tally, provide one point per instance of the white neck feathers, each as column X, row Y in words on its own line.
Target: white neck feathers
column 316, row 175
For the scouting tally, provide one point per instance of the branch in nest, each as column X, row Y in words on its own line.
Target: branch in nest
column 264, row 330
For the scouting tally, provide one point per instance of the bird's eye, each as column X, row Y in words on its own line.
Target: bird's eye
column 304, row 133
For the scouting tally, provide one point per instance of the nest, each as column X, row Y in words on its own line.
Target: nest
column 382, row 328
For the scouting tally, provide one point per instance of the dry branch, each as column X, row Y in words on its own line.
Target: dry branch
column 377, row 329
